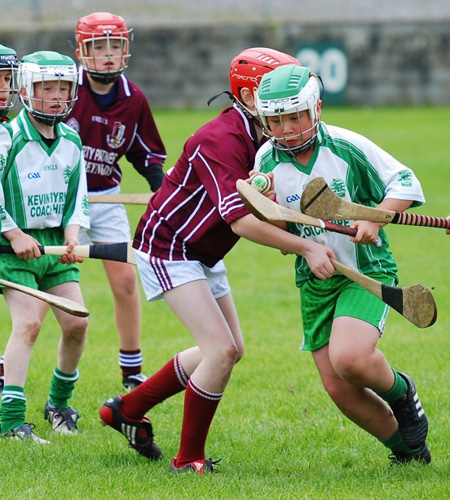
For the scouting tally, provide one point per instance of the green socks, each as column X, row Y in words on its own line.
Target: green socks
column 396, row 391
column 395, row 443
column 13, row 408
column 61, row 387
column 12, row 412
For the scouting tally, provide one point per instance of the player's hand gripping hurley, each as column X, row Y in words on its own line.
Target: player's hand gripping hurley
column 119, row 252
column 319, row 200
column 267, row 210
column 415, row 303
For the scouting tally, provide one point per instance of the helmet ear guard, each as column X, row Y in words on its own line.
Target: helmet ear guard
column 287, row 90
column 47, row 66
column 102, row 27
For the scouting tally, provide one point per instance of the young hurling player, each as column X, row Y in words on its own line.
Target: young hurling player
column 341, row 321
column 45, row 197
column 114, row 120
column 190, row 224
column 9, row 66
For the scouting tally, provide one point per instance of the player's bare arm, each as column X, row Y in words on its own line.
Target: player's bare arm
column 368, row 231
column 71, row 240
column 317, row 255
column 24, row 246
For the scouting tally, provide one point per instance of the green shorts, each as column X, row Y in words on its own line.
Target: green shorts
column 324, row 300
column 43, row 273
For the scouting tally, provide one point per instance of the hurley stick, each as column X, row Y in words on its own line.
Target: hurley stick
column 318, row 200
column 415, row 303
column 66, row 305
column 126, row 199
column 120, row 252
column 267, row 210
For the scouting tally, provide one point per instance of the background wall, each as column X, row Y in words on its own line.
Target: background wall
column 369, row 53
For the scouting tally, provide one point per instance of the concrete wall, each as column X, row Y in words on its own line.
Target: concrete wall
column 179, row 67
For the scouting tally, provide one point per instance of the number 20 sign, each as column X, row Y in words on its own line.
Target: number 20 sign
column 330, row 62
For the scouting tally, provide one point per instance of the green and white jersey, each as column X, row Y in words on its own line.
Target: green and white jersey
column 356, row 170
column 5, row 146
column 43, row 187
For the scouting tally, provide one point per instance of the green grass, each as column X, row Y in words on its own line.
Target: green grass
column 277, row 432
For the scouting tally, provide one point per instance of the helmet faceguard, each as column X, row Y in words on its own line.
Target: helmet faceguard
column 103, row 31
column 9, row 86
column 47, row 66
column 248, row 67
column 287, row 90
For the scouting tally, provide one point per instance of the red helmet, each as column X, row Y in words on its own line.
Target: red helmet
column 248, row 67
column 102, row 26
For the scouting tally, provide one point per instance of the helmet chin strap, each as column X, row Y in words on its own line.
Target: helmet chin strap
column 236, row 101
column 104, row 78
column 303, row 148
column 214, row 97
column 47, row 119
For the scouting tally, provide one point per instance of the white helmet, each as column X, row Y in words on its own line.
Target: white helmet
column 286, row 90
column 47, row 66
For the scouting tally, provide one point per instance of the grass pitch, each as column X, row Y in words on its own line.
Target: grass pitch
column 277, row 432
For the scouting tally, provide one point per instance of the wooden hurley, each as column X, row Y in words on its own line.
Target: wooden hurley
column 415, row 303
column 66, row 305
column 319, row 200
column 119, row 252
column 126, row 199
column 267, row 210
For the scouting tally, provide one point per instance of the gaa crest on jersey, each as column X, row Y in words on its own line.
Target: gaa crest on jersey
column 338, row 186
column 85, row 205
column 73, row 123
column 116, row 138
column 404, row 177
column 66, row 174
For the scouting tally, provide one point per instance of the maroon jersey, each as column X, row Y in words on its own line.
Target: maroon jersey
column 189, row 217
column 125, row 127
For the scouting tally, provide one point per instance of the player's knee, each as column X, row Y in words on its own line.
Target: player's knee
column 30, row 330
column 239, row 353
column 76, row 330
column 125, row 288
column 349, row 365
column 350, row 369
column 226, row 358
column 231, row 354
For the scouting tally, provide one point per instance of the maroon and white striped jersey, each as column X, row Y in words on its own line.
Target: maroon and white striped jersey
column 125, row 127
column 189, row 217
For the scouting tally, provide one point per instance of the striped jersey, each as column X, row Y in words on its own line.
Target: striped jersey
column 43, row 187
column 189, row 217
column 357, row 170
column 124, row 128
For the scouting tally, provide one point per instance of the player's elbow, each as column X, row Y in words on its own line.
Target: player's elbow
column 240, row 226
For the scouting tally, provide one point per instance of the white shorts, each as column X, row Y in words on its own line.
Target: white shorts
column 159, row 276
column 109, row 222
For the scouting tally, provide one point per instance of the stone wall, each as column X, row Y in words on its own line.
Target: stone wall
column 181, row 67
